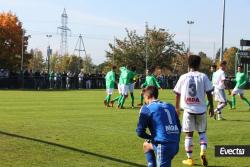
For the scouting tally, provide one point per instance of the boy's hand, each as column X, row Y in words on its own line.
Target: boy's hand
column 211, row 111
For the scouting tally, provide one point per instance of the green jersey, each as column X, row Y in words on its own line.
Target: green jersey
column 151, row 81
column 125, row 77
column 122, row 69
column 241, row 80
column 110, row 79
column 131, row 77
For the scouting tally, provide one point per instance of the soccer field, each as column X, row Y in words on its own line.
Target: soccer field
column 72, row 128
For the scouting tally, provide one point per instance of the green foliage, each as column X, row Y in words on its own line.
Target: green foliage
column 206, row 62
column 157, row 44
column 36, row 63
column 71, row 63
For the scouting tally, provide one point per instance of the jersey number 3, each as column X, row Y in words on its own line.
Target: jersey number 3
column 192, row 90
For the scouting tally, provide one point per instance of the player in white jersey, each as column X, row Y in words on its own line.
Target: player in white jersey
column 219, row 89
column 191, row 90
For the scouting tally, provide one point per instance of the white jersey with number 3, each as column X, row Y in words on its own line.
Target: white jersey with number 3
column 192, row 87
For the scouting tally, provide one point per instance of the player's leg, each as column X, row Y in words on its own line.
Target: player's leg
column 125, row 95
column 222, row 102
column 118, row 97
column 149, row 154
column 201, row 127
column 165, row 153
column 218, row 110
column 233, row 99
column 132, row 100
column 131, row 90
column 241, row 92
column 109, row 94
column 141, row 99
column 188, row 126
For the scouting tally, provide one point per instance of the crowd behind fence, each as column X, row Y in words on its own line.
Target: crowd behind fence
column 37, row 80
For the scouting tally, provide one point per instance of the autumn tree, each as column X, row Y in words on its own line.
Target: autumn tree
column 206, row 62
column 11, row 36
column 229, row 57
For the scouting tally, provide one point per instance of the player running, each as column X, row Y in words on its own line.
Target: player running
column 110, row 85
column 241, row 81
column 163, row 123
column 190, row 95
column 219, row 90
column 149, row 81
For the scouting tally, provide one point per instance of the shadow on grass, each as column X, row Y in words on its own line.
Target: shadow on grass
column 73, row 149
column 209, row 165
column 239, row 120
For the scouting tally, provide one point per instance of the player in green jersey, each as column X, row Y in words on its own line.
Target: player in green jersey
column 125, row 77
column 241, row 82
column 110, row 85
column 149, row 81
column 118, row 99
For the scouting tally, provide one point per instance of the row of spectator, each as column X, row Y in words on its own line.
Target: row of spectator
column 69, row 80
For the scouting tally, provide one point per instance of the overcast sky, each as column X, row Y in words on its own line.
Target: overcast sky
column 100, row 20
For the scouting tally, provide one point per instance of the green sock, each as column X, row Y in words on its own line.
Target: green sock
column 108, row 99
column 133, row 99
column 117, row 98
column 122, row 101
column 142, row 98
column 233, row 101
column 246, row 101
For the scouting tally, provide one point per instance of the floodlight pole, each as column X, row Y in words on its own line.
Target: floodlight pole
column 113, row 57
column 189, row 35
column 223, row 29
column 146, row 49
column 22, row 52
column 48, row 51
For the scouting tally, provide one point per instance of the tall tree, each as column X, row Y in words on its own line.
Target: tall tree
column 229, row 56
column 36, row 63
column 206, row 62
column 158, row 45
column 11, row 36
column 87, row 64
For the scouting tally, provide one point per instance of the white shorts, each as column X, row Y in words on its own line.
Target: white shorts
column 119, row 88
column 220, row 96
column 192, row 122
column 109, row 91
column 238, row 91
column 131, row 88
column 124, row 89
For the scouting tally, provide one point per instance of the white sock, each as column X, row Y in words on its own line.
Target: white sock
column 221, row 106
column 189, row 146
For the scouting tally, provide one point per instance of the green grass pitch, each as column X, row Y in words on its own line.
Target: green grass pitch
column 72, row 128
